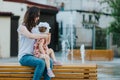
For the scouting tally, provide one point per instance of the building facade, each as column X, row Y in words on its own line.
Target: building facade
column 73, row 18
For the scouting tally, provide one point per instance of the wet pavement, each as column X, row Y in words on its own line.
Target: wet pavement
column 107, row 70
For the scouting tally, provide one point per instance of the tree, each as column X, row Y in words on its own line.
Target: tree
column 115, row 12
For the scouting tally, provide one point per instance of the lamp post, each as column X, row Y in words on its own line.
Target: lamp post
column 90, row 23
column 93, row 36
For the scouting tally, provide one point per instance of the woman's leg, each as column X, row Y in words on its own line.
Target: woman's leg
column 39, row 64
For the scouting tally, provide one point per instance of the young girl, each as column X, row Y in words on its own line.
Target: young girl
column 41, row 49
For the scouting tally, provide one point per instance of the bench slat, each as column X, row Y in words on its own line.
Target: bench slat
column 25, row 75
column 55, row 70
column 68, row 66
column 57, row 74
column 72, row 79
column 42, row 79
column 18, row 70
column 75, row 70
column 83, row 66
column 61, row 75
column 15, row 78
column 74, row 76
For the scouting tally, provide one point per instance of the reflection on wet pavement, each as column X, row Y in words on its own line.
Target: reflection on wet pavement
column 107, row 70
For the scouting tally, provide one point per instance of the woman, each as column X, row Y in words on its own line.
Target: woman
column 26, row 44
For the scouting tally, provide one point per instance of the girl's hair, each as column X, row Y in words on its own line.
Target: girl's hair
column 29, row 17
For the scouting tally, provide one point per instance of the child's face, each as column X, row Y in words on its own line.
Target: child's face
column 42, row 29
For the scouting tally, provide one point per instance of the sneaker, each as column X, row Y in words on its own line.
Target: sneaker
column 50, row 73
column 57, row 63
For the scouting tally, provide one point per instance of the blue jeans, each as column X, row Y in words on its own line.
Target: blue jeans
column 39, row 64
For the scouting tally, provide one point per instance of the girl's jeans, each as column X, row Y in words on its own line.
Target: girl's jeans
column 39, row 64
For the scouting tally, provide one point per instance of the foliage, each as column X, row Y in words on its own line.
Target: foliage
column 115, row 12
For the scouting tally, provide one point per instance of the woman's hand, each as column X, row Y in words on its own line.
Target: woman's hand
column 49, row 38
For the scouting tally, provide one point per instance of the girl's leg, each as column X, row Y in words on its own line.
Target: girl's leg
column 46, row 77
column 39, row 64
column 49, row 70
column 47, row 61
column 52, row 54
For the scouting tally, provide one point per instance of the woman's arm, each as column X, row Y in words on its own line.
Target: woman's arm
column 48, row 39
column 23, row 30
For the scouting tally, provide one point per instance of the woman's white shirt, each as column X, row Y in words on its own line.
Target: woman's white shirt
column 25, row 42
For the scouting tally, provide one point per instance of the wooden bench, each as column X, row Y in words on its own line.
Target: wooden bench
column 96, row 55
column 64, row 72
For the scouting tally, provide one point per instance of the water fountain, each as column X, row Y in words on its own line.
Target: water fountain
column 65, row 49
column 82, row 51
column 67, row 32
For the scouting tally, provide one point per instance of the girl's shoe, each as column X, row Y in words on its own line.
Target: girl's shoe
column 50, row 73
column 57, row 63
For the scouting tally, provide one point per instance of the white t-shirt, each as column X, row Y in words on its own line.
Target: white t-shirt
column 25, row 44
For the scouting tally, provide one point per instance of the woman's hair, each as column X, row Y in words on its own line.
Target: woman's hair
column 29, row 17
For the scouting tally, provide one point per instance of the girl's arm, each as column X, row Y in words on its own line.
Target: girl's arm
column 23, row 30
